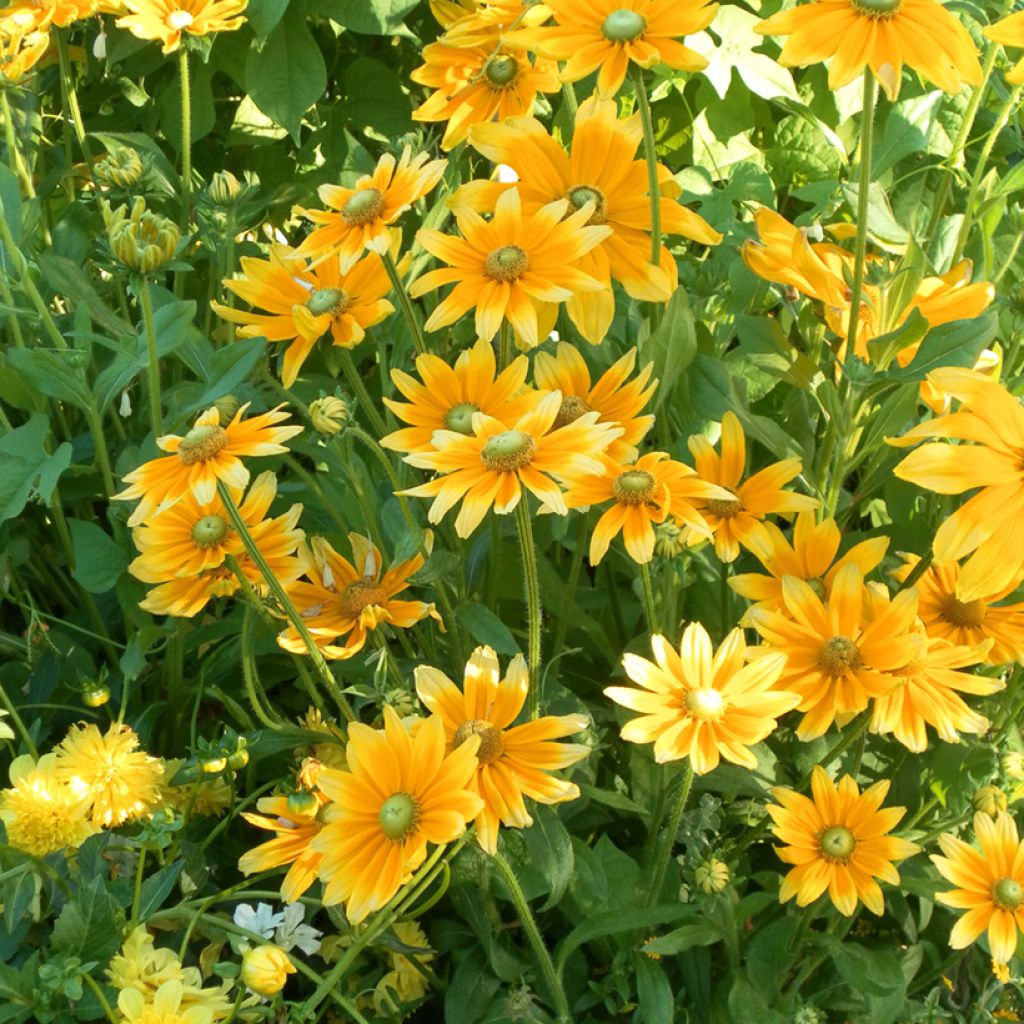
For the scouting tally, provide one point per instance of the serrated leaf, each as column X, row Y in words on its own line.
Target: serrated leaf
column 88, row 926
column 157, row 888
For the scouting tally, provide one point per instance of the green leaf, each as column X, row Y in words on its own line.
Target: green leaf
column 18, row 892
column 68, row 279
column 88, row 926
column 471, row 991
column 157, row 888
column 10, row 201
column 703, row 933
column 654, row 993
column 800, row 155
column 671, row 346
column 549, row 849
column 884, row 349
column 610, row 798
column 54, row 373
column 882, row 225
column 99, row 559
column 486, row 628
column 909, row 129
column 288, row 75
column 370, row 17
column 958, row 343
column 374, row 98
column 264, row 15
column 25, row 466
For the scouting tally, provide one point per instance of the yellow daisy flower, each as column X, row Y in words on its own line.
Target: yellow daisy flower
column 492, row 466
column 838, row 841
column 1010, row 32
column 739, row 520
column 989, row 885
column 505, row 267
column 30, row 17
column 166, row 20
column 513, row 761
column 303, row 303
column 359, row 218
column 19, row 53
column 400, row 793
column 609, row 34
column 881, row 35
column 700, row 703
column 167, row 1007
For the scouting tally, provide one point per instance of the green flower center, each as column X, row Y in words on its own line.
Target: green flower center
column 838, row 655
column 460, row 418
column 209, row 530
column 634, row 487
column 705, row 704
column 501, row 71
column 506, row 264
column 327, row 300
column 725, row 508
column 201, row 444
column 583, row 194
column 623, row 26
column 363, row 206
column 837, row 844
column 1008, row 893
column 398, row 816
column 508, row 451
column 966, row 614
column 491, row 745
column 877, row 8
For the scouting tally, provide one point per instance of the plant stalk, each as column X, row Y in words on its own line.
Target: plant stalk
column 528, row 553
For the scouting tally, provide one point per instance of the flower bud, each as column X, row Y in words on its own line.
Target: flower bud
column 402, row 701
column 140, row 239
column 990, row 800
column 214, row 765
column 265, row 969
column 226, row 408
column 225, row 189
column 712, row 876
column 303, row 805
column 329, row 414
column 122, row 166
column 238, row 759
column 668, row 540
column 95, row 694
column 1013, row 765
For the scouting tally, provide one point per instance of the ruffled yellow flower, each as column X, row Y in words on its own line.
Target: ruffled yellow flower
column 265, row 969
column 838, row 841
column 513, row 762
column 700, row 703
column 404, row 981
column 206, row 795
column 989, row 885
column 167, row 20
column 25, row 18
column 168, row 1007
column 882, row 35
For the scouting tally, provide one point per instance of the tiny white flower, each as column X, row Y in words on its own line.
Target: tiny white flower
column 262, row 920
column 295, row 933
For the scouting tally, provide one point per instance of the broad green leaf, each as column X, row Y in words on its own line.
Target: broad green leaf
column 882, row 226
column 89, row 927
column 26, row 466
column 99, row 559
column 654, row 992
column 799, row 154
column 550, row 852
column 720, row 156
column 370, row 17
column 703, row 933
column 471, row 991
column 958, row 343
column 68, row 279
column 486, row 628
column 157, row 888
column 264, row 15
column 375, row 99
column 671, row 346
column 884, row 349
column 908, row 131
column 56, row 373
column 10, row 202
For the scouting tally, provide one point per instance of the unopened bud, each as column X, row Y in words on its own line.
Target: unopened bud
column 265, row 969
column 226, row 408
column 121, row 167
column 1013, row 765
column 990, row 800
column 329, row 415
column 225, row 189
column 668, row 540
column 95, row 694
column 712, row 876
column 214, row 765
column 140, row 239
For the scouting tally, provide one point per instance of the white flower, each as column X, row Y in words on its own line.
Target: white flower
column 262, row 920
column 294, row 932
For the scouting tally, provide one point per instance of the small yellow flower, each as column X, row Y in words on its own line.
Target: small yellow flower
column 166, row 20
column 265, row 969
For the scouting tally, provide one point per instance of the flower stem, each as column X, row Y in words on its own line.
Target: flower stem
column 863, row 196
column 650, row 609
column 355, row 382
column 27, row 285
column 570, row 587
column 504, row 345
column 71, row 97
column 140, row 869
column 19, row 724
column 100, row 998
column 13, row 152
column 651, row 156
column 405, row 303
column 274, row 584
column 540, row 951
column 381, row 456
column 152, row 360
column 530, row 581
column 253, row 689
column 665, row 850
column 186, row 139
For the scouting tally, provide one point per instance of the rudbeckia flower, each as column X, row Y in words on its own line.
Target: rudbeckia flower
column 739, row 520
column 838, row 841
column 25, row 18
column 166, row 20
column 609, row 34
column 839, row 654
column 1010, row 32
column 19, row 53
column 303, row 303
column 881, row 35
column 342, row 600
column 988, row 526
column 505, row 267
column 600, row 167
column 446, row 397
column 494, row 464
column 989, row 885
column 700, row 703
column 358, row 218
column 400, row 793
column 512, row 761
column 206, row 454
column 967, row 623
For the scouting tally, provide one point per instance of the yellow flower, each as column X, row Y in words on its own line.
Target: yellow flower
column 739, row 520
column 513, row 761
column 600, row 167
column 988, row 526
column 881, row 35
column 41, row 812
column 166, row 20
column 700, row 703
column 609, row 34
column 340, row 600
column 206, row 454
column 30, row 17
column 810, row 557
column 1010, row 32
column 358, row 218
column 265, row 969
column 121, row 782
column 967, row 623
column 404, row 980
column 1002, row 974
column 838, row 841
column 838, row 654
column 204, row 795
column 167, row 1007
column 303, row 303
column 20, row 52
column 989, row 885
column 493, row 465
column 401, row 793
column 446, row 397
column 644, row 492
column 513, row 267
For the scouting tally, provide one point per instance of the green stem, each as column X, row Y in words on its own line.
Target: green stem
column 504, row 345
column 389, row 471
column 19, row 725
column 665, row 850
column 650, row 609
column 152, row 360
column 100, row 998
column 71, row 98
column 140, row 868
column 570, row 588
column 100, row 443
column 27, row 285
column 405, row 303
column 571, row 107
column 536, row 940
column 186, row 139
column 355, row 382
column 13, row 152
column 12, row 316
column 532, row 586
column 651, row 156
column 281, row 596
column 863, row 195
column 253, row 689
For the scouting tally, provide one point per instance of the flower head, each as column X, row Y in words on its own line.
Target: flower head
column 166, row 20
column 838, row 841
column 24, row 18
column 700, row 703
column 265, row 969
column 405, row 979
column 167, row 1006
column 401, row 793
column 989, row 884
column 513, row 761
column 20, row 52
